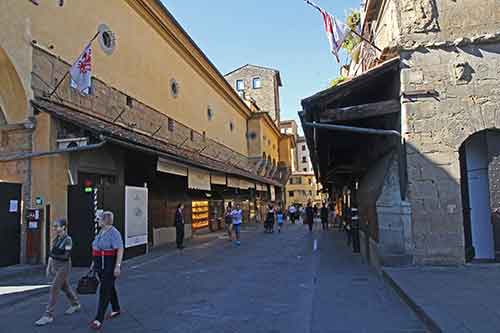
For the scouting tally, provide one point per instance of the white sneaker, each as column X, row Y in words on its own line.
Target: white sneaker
column 72, row 309
column 44, row 321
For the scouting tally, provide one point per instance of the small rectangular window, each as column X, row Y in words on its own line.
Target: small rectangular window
column 256, row 83
column 291, row 193
column 304, row 159
column 303, row 147
column 305, row 169
column 171, row 124
column 129, row 101
column 192, row 135
column 240, row 85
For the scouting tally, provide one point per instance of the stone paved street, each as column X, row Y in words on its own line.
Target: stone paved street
column 272, row 283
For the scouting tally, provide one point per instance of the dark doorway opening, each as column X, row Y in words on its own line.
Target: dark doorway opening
column 479, row 167
column 10, row 223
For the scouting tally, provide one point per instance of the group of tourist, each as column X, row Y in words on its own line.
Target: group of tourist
column 107, row 254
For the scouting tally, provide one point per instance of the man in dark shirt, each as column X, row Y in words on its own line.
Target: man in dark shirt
column 324, row 216
column 310, row 215
column 179, row 226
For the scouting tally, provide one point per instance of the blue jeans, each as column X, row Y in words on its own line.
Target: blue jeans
column 236, row 229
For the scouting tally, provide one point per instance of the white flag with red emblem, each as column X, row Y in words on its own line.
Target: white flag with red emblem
column 336, row 31
column 81, row 72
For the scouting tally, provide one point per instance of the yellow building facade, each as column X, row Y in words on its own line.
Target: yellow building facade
column 158, row 107
column 302, row 188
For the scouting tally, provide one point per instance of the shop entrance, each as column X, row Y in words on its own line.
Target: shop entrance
column 10, row 223
column 81, row 210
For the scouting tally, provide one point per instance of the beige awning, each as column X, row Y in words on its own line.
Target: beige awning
column 171, row 168
column 233, row 182
column 199, row 179
column 218, row 179
column 244, row 185
column 261, row 187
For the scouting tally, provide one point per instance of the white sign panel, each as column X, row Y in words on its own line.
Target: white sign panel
column 136, row 216
column 13, row 206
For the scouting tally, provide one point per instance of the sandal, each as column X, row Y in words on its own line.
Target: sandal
column 113, row 314
column 96, row 325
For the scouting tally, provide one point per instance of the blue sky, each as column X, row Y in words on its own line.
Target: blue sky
column 284, row 34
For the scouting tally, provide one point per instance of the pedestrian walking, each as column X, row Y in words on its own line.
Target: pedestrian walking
column 228, row 219
column 324, row 216
column 237, row 216
column 179, row 226
column 292, row 212
column 309, row 216
column 280, row 216
column 269, row 227
column 59, row 267
column 107, row 252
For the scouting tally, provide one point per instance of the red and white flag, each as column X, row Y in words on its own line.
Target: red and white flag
column 336, row 31
column 81, row 72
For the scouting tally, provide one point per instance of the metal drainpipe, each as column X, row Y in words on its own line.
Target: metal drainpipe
column 361, row 130
column 54, row 152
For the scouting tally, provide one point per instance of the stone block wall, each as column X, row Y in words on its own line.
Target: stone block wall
column 266, row 97
column 464, row 85
column 111, row 104
column 425, row 21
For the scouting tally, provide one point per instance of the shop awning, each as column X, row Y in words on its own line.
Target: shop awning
column 261, row 187
column 245, row 185
column 199, row 179
column 233, row 182
column 218, row 179
column 173, row 168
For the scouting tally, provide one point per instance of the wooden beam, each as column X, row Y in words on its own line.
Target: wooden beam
column 360, row 111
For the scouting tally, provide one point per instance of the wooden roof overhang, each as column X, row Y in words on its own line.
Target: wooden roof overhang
column 365, row 103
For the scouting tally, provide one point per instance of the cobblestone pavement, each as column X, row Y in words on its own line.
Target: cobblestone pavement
column 271, row 283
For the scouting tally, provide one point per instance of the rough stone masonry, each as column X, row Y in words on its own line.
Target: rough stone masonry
column 450, row 86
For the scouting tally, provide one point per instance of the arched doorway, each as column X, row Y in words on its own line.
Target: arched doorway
column 479, row 162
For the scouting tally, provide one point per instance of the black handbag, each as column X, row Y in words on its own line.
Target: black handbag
column 88, row 284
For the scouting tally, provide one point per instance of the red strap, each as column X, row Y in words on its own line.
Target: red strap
column 104, row 253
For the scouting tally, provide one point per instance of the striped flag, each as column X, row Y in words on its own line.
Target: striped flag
column 336, row 31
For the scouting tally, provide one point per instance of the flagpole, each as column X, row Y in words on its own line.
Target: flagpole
column 67, row 72
column 365, row 39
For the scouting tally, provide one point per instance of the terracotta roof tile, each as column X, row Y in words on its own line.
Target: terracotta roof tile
column 117, row 132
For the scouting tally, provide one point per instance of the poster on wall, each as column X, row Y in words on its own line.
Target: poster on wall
column 136, row 216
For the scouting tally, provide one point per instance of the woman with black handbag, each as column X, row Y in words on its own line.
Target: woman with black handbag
column 59, row 267
column 107, row 251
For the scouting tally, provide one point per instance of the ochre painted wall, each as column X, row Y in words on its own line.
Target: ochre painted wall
column 142, row 65
column 271, row 145
column 266, row 141
column 285, row 150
